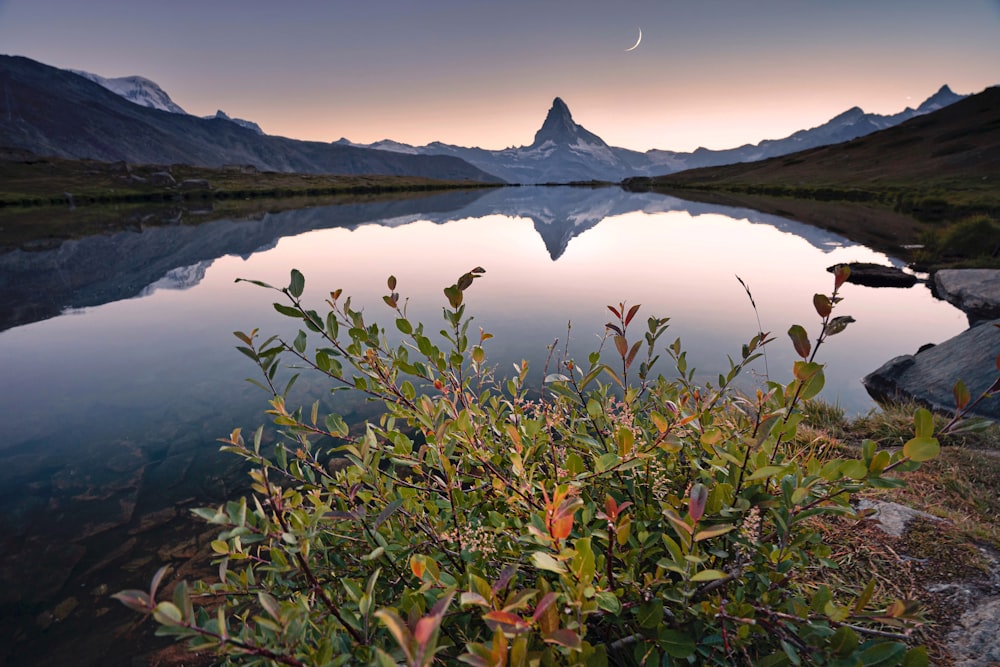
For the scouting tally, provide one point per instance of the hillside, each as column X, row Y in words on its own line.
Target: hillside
column 53, row 112
column 953, row 152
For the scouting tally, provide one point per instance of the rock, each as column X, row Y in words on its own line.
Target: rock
column 975, row 291
column 154, row 520
column 162, row 179
column 893, row 517
column 929, row 376
column 195, row 184
column 877, row 275
column 123, row 549
column 974, row 640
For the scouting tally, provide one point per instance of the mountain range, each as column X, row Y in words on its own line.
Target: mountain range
column 55, row 112
column 564, row 151
column 69, row 114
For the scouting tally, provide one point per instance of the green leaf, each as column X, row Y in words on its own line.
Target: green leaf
column 838, row 324
column 676, row 643
column 606, row 462
column 764, row 472
column 916, row 657
column 297, row 284
column 714, row 531
column 650, row 614
column 923, row 423
column 583, row 562
column 844, row 641
column 545, row 561
column 854, row 469
column 288, row 311
column 884, row 654
column 609, row 602
column 709, row 575
column 391, row 620
column 922, row 449
column 270, row 605
column 167, row 613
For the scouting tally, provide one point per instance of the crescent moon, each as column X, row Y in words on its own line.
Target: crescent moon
column 636, row 45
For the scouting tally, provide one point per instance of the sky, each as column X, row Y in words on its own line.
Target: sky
column 712, row 73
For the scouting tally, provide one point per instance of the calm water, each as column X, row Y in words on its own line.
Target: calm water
column 119, row 368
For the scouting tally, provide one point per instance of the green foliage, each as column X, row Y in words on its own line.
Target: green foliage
column 974, row 238
column 617, row 517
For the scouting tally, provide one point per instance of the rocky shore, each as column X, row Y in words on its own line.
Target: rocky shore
column 928, row 376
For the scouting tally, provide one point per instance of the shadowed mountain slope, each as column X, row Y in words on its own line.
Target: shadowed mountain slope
column 56, row 112
column 960, row 142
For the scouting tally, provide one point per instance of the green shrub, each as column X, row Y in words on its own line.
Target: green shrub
column 617, row 517
column 970, row 242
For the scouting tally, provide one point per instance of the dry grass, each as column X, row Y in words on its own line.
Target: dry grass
column 961, row 486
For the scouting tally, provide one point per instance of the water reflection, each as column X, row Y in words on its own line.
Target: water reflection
column 117, row 388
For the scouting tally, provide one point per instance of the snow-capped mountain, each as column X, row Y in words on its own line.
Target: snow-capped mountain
column 137, row 89
column 142, row 91
column 564, row 151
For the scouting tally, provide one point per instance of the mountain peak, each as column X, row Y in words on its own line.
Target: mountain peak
column 942, row 98
column 136, row 89
column 560, row 128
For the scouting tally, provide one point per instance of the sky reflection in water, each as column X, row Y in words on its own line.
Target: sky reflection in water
column 105, row 369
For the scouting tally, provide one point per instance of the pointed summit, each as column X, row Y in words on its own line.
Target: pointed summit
column 942, row 98
column 560, row 128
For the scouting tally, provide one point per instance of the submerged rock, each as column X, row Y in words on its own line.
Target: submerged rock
column 929, row 376
column 877, row 275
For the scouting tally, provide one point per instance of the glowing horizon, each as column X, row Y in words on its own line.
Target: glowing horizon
column 717, row 75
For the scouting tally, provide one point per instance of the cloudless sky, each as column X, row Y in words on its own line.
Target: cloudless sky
column 713, row 73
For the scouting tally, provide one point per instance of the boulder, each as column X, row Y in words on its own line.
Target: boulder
column 877, row 275
column 929, row 376
column 162, row 179
column 975, row 291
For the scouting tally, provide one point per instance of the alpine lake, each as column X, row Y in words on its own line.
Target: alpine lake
column 120, row 371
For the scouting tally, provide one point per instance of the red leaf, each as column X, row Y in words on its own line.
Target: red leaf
column 622, row 345
column 425, row 630
column 547, row 601
column 631, row 353
column 615, row 311
column 505, row 622
column 800, row 339
column 631, row 313
column 822, row 304
column 565, row 637
column 962, row 396
column 611, row 508
column 698, row 498
column 840, row 275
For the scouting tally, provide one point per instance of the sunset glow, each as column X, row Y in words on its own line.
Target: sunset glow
column 714, row 74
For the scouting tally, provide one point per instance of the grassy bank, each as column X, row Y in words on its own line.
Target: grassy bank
column 53, row 181
column 43, row 199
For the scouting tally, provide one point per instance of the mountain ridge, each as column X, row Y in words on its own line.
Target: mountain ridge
column 55, row 112
column 563, row 151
